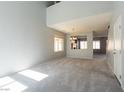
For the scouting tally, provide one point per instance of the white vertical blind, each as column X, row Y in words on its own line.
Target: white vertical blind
column 96, row 44
column 83, row 44
column 58, row 44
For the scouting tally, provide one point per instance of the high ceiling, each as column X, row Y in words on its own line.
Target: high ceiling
column 98, row 23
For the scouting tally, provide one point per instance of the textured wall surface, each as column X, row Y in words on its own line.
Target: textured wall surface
column 24, row 38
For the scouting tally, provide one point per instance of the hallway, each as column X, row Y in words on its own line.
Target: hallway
column 68, row 74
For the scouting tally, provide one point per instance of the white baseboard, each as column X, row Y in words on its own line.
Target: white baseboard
column 110, row 67
column 122, row 87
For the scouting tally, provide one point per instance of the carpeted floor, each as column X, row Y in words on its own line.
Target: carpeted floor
column 69, row 74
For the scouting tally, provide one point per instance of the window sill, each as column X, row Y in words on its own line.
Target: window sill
column 58, row 51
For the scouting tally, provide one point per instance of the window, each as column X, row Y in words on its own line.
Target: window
column 58, row 44
column 83, row 44
column 96, row 44
column 78, row 42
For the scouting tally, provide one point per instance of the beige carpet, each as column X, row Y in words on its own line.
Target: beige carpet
column 69, row 74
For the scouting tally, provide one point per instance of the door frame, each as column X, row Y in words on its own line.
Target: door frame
column 115, row 64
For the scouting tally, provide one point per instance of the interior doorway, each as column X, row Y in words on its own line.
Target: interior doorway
column 99, row 44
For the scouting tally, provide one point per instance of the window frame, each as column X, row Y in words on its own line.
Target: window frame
column 95, row 46
column 84, row 44
column 58, row 44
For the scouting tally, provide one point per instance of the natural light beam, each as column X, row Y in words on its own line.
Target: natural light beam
column 33, row 75
column 15, row 86
column 5, row 80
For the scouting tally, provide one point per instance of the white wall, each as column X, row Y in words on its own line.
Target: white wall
column 24, row 38
column 117, row 11
column 66, row 11
column 80, row 53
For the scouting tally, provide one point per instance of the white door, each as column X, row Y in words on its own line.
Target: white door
column 117, row 48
